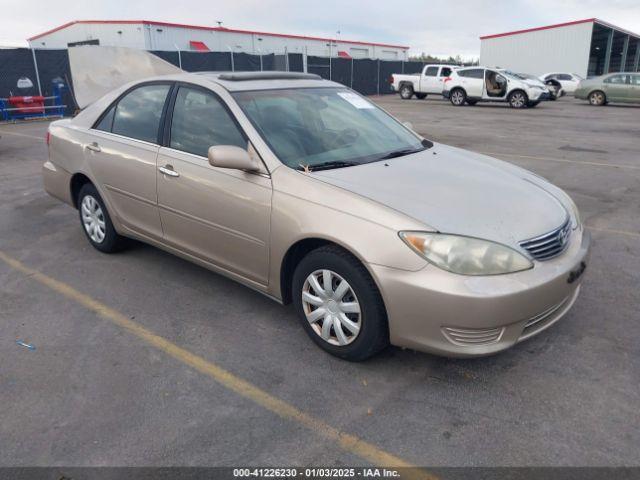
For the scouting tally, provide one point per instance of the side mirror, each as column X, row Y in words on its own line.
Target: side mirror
column 230, row 156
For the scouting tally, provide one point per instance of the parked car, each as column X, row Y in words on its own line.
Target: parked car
column 564, row 83
column 554, row 93
column 479, row 84
column 614, row 87
column 430, row 81
column 308, row 193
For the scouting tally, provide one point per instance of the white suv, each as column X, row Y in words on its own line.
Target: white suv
column 479, row 84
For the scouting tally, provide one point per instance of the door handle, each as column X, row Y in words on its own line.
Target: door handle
column 94, row 147
column 168, row 170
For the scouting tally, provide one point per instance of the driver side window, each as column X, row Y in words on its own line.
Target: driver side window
column 200, row 121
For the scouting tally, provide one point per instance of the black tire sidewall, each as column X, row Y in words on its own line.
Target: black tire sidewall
column 112, row 241
column 373, row 335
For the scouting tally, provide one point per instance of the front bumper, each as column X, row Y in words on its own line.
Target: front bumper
column 465, row 316
column 545, row 96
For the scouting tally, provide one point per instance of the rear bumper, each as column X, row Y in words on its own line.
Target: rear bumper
column 57, row 182
column 463, row 316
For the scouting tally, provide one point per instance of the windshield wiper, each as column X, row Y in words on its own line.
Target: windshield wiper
column 401, row 153
column 331, row 164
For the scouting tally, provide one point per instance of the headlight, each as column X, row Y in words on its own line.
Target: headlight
column 466, row 255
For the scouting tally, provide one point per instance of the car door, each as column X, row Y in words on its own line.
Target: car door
column 634, row 95
column 617, row 88
column 568, row 82
column 472, row 80
column 495, row 85
column 430, row 80
column 121, row 154
column 219, row 215
column 444, row 72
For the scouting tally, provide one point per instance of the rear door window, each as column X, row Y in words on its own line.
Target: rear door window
column 616, row 79
column 445, row 72
column 472, row 73
column 138, row 114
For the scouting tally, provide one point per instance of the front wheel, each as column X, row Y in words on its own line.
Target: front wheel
column 518, row 99
column 406, row 92
column 458, row 97
column 339, row 304
column 96, row 222
column 597, row 98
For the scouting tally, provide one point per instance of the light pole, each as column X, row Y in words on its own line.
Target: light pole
column 231, row 52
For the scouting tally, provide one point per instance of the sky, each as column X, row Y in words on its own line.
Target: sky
column 440, row 28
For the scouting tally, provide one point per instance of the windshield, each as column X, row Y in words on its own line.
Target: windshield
column 313, row 128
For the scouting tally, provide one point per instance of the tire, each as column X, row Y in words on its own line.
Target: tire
column 518, row 99
column 471, row 102
column 96, row 222
column 458, row 97
column 532, row 104
column 372, row 334
column 406, row 92
column 421, row 96
column 597, row 98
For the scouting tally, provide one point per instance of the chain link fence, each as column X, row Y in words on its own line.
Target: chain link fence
column 25, row 72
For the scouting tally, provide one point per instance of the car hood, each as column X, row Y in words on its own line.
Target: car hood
column 455, row 191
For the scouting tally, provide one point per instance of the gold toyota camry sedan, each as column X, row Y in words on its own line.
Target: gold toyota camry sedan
column 307, row 192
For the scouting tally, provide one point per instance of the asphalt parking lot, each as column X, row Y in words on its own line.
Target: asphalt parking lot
column 142, row 358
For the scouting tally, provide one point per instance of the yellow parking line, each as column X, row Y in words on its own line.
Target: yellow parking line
column 347, row 442
column 611, row 230
column 4, row 132
column 562, row 160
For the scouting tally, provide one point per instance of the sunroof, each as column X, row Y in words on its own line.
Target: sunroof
column 245, row 76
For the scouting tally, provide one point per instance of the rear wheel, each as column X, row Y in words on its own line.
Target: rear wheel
column 406, row 92
column 339, row 304
column 597, row 98
column 96, row 222
column 421, row 96
column 518, row 99
column 458, row 97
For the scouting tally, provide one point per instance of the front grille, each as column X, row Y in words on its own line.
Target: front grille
column 550, row 244
column 468, row 337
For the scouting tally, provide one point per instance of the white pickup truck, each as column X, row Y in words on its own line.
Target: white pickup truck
column 430, row 81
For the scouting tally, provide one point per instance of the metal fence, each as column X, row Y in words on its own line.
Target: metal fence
column 44, row 69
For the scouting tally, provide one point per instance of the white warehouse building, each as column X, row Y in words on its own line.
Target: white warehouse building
column 152, row 35
column 587, row 47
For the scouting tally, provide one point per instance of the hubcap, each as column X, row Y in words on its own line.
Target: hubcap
column 331, row 307
column 517, row 100
column 93, row 219
column 457, row 98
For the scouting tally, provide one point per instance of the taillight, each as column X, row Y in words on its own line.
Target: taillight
column 47, row 137
column 390, row 78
